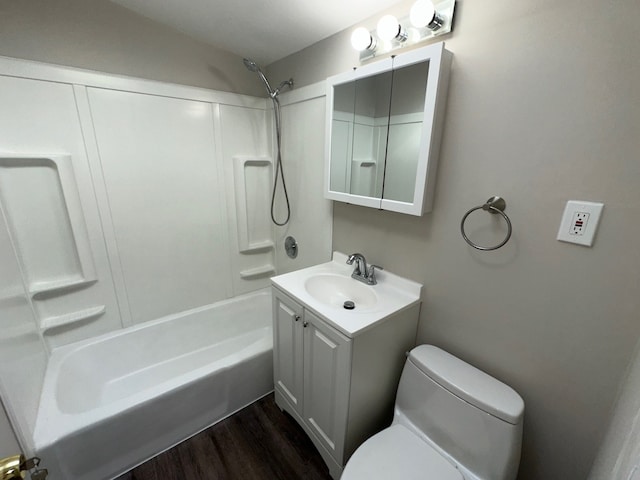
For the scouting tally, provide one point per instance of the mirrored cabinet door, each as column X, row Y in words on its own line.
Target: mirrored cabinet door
column 342, row 121
column 358, row 104
column 405, row 131
column 373, row 96
column 383, row 130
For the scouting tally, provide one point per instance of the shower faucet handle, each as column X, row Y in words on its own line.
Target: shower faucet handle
column 371, row 275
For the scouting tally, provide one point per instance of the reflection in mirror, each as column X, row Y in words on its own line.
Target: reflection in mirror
column 405, row 129
column 359, row 134
column 342, row 133
column 373, row 95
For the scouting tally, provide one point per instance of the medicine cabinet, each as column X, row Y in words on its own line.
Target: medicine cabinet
column 384, row 123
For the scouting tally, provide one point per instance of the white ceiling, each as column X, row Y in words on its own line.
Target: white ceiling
column 263, row 30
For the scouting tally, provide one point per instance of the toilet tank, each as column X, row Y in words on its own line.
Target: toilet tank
column 464, row 413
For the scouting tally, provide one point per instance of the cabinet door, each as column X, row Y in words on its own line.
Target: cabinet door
column 327, row 356
column 287, row 348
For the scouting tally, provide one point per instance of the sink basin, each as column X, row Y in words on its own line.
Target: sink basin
column 324, row 288
column 334, row 290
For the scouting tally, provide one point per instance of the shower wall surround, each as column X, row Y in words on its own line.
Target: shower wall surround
column 303, row 155
column 125, row 200
column 249, row 177
column 163, row 189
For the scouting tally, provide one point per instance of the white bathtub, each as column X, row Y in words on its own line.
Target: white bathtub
column 110, row 403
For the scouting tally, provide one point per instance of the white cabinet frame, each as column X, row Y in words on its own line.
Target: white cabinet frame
column 439, row 61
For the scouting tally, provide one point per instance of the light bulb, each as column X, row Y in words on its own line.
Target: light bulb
column 388, row 27
column 361, row 39
column 423, row 14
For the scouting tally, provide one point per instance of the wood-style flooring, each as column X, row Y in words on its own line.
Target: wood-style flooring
column 258, row 443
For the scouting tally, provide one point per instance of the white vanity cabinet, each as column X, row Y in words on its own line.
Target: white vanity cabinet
column 287, row 346
column 311, row 371
column 340, row 389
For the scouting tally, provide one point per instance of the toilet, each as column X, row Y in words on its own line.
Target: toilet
column 451, row 422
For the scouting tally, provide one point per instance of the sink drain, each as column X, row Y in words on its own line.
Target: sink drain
column 349, row 305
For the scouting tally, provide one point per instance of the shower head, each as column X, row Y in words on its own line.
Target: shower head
column 251, row 65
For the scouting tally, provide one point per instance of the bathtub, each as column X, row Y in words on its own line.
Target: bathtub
column 114, row 401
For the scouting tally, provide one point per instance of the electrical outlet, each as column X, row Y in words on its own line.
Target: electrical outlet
column 580, row 222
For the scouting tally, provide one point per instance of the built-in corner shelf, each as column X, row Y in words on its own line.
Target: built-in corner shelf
column 52, row 323
column 258, row 247
column 365, row 163
column 43, row 290
column 263, row 271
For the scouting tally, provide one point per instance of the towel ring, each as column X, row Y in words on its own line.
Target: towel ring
column 494, row 205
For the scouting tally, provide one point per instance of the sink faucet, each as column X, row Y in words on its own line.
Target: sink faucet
column 361, row 272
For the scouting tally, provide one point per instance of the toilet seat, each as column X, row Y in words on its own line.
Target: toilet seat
column 397, row 453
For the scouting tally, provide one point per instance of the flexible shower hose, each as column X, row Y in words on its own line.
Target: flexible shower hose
column 279, row 169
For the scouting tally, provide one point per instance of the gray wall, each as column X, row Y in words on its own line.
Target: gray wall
column 100, row 35
column 542, row 108
column 620, row 451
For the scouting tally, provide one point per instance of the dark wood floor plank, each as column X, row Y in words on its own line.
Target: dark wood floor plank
column 258, row 443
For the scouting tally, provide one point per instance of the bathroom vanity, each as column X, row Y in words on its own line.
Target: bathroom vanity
column 336, row 371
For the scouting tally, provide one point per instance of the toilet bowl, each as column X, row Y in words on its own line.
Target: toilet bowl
column 451, row 422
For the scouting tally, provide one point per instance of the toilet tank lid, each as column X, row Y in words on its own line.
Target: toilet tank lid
column 467, row 382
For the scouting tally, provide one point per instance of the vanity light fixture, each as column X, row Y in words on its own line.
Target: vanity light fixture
column 425, row 20
column 390, row 29
column 423, row 14
column 362, row 40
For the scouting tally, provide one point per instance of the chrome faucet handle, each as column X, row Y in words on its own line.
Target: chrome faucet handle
column 371, row 276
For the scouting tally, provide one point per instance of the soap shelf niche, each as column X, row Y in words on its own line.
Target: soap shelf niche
column 40, row 202
column 48, row 325
column 41, row 205
column 250, row 175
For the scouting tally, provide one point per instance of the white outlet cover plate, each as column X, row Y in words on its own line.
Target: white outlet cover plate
column 565, row 233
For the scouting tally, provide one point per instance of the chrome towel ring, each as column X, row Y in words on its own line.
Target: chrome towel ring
column 494, row 205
